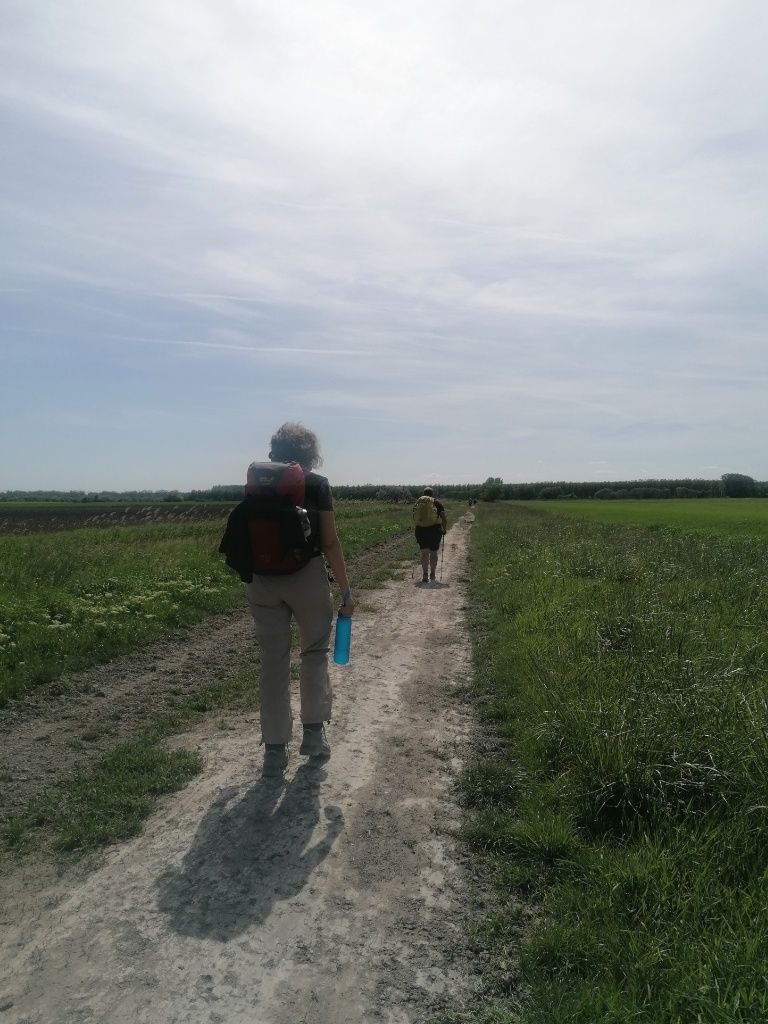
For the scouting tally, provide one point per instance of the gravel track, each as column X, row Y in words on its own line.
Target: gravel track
column 335, row 895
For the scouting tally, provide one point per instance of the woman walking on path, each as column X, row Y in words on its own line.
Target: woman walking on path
column 431, row 526
column 304, row 595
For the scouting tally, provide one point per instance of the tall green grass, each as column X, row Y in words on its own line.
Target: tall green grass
column 69, row 599
column 624, row 673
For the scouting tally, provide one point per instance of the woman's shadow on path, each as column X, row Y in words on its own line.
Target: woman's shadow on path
column 247, row 855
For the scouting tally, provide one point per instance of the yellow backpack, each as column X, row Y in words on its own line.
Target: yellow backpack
column 425, row 511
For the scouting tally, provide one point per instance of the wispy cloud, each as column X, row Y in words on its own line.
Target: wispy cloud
column 514, row 230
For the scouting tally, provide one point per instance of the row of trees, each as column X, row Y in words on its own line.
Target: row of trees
column 89, row 496
column 730, row 485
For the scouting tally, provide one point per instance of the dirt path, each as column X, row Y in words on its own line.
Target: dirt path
column 60, row 730
column 335, row 896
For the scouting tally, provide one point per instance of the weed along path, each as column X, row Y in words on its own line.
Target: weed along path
column 333, row 896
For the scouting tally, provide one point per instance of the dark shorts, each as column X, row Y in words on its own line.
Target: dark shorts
column 429, row 537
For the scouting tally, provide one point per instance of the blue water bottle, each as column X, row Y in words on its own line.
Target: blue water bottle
column 343, row 639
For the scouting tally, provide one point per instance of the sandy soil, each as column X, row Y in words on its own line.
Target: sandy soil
column 334, row 895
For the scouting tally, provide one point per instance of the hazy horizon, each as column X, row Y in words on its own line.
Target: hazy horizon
column 410, row 485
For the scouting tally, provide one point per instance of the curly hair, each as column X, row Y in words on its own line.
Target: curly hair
column 294, row 442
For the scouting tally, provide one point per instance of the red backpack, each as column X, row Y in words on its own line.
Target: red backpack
column 279, row 529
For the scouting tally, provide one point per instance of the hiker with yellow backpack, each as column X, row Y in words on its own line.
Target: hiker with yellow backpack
column 431, row 525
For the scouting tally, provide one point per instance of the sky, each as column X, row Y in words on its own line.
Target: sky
column 457, row 240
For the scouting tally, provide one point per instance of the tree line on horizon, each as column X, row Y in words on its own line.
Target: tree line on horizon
column 730, row 485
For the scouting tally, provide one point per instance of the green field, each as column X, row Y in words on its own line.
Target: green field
column 736, row 517
column 73, row 598
column 622, row 677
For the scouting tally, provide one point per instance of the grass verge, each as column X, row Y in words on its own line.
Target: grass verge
column 108, row 801
column 623, row 816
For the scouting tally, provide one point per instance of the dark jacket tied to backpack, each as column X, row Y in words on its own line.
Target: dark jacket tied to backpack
column 236, row 543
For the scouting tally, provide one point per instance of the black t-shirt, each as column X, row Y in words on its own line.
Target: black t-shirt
column 317, row 498
column 317, row 493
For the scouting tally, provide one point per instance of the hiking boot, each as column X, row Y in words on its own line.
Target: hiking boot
column 314, row 743
column 431, row 577
column 275, row 760
column 425, row 578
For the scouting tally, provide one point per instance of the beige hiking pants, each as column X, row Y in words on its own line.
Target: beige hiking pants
column 273, row 600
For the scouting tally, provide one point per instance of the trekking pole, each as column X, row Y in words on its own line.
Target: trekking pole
column 442, row 556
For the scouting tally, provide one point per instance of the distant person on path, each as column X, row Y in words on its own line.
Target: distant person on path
column 275, row 539
column 431, row 526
